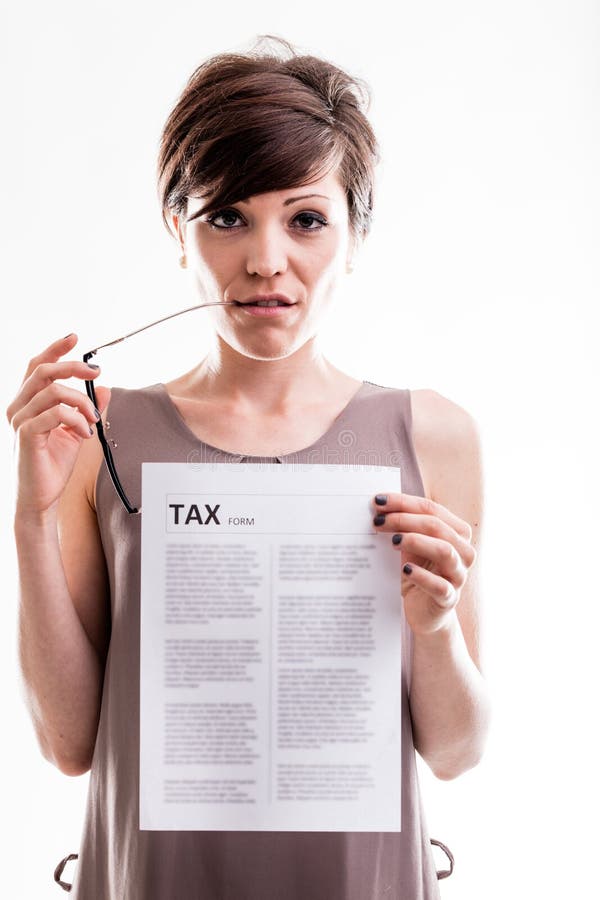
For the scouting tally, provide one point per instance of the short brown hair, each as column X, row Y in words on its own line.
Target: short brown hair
column 250, row 123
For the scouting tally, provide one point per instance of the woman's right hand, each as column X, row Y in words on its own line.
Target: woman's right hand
column 48, row 433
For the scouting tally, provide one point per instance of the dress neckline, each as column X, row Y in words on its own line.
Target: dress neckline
column 175, row 414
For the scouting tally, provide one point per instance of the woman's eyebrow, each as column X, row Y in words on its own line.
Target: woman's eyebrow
column 291, row 199
column 303, row 197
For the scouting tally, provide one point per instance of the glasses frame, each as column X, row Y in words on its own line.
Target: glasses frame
column 89, row 387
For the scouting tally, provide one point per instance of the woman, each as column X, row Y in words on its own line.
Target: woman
column 266, row 181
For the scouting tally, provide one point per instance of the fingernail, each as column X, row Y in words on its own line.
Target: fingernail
column 92, row 366
column 67, row 335
column 379, row 520
column 381, row 499
column 97, row 412
column 91, row 430
column 396, row 538
column 407, row 569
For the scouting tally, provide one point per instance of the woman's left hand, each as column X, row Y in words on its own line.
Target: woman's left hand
column 435, row 546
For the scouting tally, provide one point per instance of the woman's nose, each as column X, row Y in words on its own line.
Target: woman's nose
column 266, row 254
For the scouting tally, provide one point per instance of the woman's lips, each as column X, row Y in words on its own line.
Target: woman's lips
column 265, row 310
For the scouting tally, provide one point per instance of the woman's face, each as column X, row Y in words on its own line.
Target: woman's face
column 283, row 242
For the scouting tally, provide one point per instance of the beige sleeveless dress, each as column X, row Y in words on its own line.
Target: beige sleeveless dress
column 117, row 861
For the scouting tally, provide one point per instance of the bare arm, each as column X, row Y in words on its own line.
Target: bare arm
column 439, row 536
column 61, row 668
column 64, row 622
column 449, row 701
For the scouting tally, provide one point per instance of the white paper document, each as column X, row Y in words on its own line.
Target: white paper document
column 270, row 657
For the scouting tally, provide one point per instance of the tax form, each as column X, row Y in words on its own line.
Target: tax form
column 270, row 649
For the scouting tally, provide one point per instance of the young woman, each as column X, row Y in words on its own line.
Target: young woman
column 266, row 181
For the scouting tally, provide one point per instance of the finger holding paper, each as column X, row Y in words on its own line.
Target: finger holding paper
column 436, row 555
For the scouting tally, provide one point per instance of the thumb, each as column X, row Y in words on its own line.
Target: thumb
column 102, row 396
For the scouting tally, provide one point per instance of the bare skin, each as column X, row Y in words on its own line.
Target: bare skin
column 260, row 379
column 222, row 424
column 63, row 584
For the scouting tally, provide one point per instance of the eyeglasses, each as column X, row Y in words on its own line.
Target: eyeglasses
column 89, row 386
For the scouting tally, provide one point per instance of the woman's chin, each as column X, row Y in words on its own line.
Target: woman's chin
column 267, row 355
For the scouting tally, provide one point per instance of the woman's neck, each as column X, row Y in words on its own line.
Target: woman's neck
column 275, row 387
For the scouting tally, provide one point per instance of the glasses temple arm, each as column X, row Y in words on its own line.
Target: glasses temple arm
column 89, row 386
column 108, row 457
column 158, row 321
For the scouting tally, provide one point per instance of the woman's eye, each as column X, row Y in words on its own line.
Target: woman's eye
column 228, row 214
column 314, row 218
column 222, row 213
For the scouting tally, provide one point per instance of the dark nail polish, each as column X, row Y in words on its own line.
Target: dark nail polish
column 407, row 569
column 97, row 412
column 91, row 430
column 379, row 520
column 67, row 335
column 381, row 499
column 396, row 538
column 92, row 366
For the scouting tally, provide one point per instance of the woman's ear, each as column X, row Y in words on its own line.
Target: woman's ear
column 178, row 232
column 177, row 228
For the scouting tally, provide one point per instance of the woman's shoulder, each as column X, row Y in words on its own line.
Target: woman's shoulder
column 433, row 409
column 446, row 440
column 126, row 394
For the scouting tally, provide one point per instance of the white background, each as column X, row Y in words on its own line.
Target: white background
column 479, row 280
